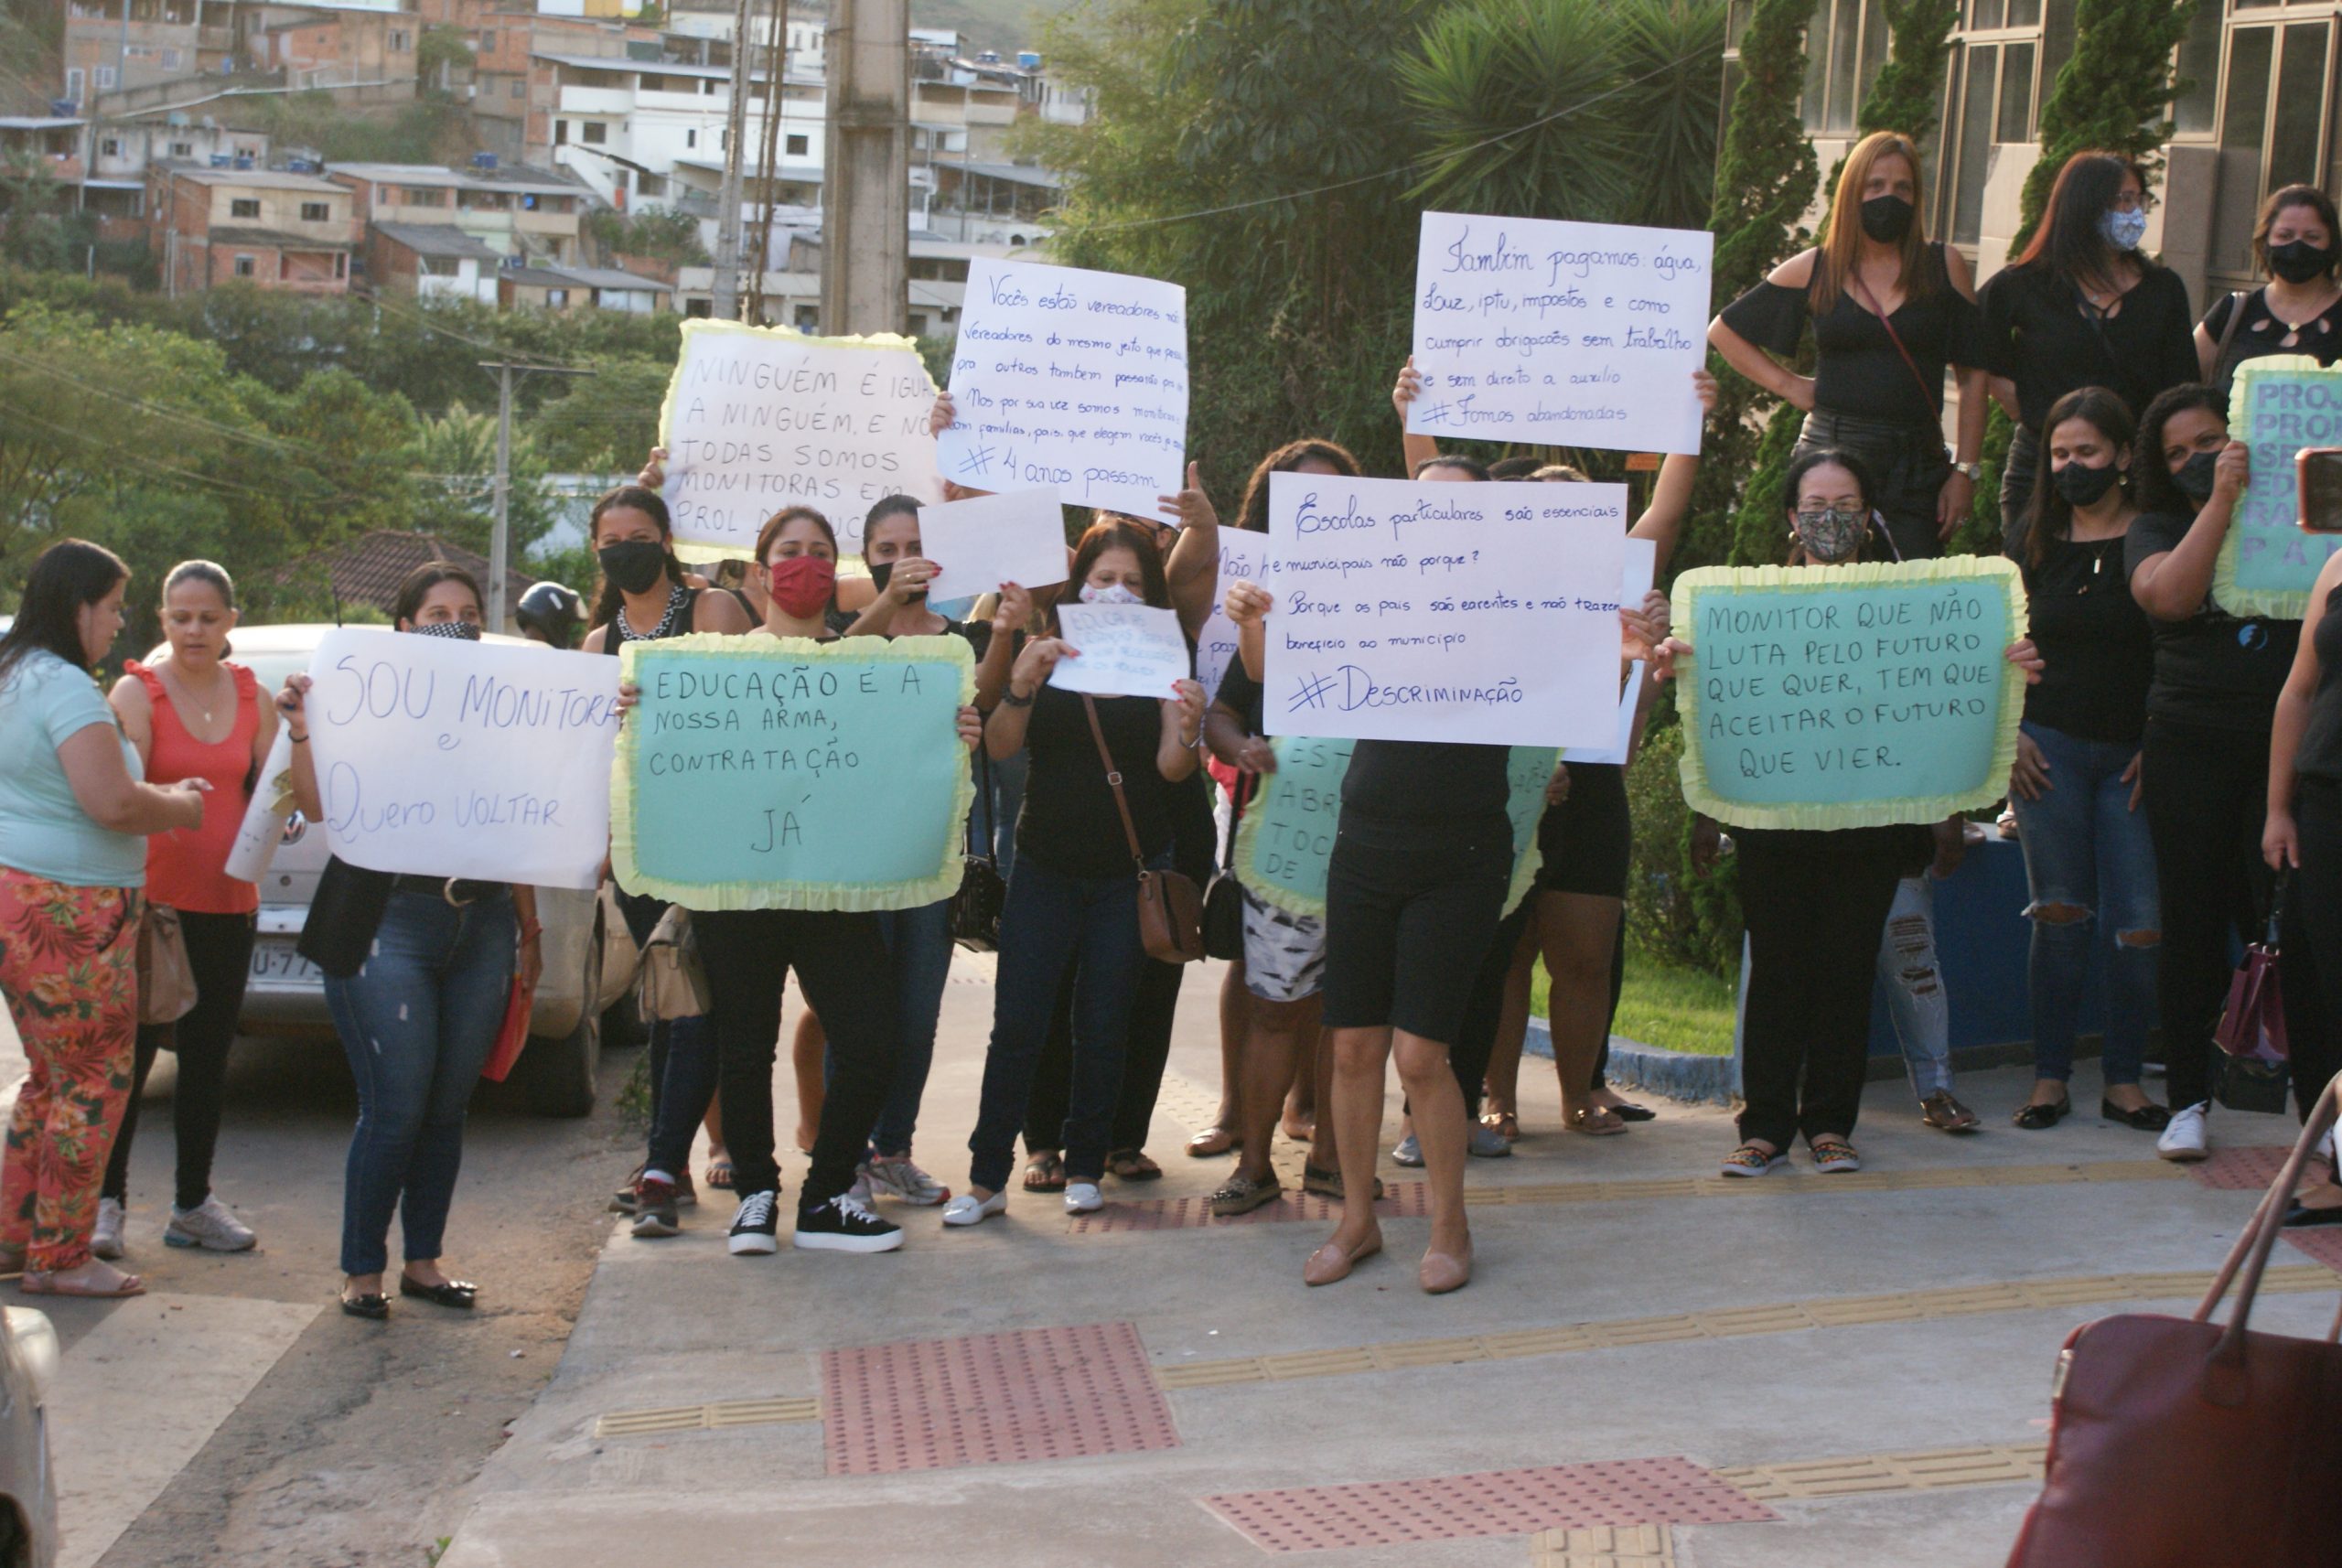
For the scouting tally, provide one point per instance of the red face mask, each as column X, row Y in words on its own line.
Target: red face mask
column 802, row 584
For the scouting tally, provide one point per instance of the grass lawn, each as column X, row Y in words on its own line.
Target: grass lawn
column 1664, row 1004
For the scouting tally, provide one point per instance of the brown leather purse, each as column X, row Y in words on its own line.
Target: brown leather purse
column 1170, row 910
column 2178, row 1443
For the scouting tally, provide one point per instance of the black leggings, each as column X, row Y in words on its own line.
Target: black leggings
column 219, row 954
column 2313, row 954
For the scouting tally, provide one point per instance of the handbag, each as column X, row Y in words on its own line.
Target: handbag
column 512, row 1034
column 976, row 906
column 2180, row 1443
column 1223, row 919
column 1170, row 911
column 672, row 982
column 2256, row 1068
column 166, row 979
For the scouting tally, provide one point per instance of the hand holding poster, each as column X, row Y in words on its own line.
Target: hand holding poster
column 1070, row 377
column 1128, row 650
column 757, row 418
column 1848, row 696
column 1447, row 612
column 443, row 758
column 987, row 541
column 2279, row 404
column 1562, row 334
column 1243, row 556
column 777, row 773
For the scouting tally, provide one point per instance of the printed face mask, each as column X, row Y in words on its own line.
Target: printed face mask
column 1886, row 218
column 1111, row 594
column 2195, row 477
column 2298, row 261
column 1831, row 535
column 460, row 630
column 801, row 585
column 633, row 565
column 2124, row 230
column 2084, row 486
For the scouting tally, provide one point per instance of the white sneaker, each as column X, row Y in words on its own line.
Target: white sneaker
column 1082, row 1198
column 2189, row 1137
column 905, row 1182
column 210, row 1226
column 105, row 1237
column 969, row 1209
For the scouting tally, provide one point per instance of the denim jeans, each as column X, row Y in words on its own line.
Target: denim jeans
column 1006, row 804
column 1053, row 924
column 418, row 1022
column 1914, row 982
column 2087, row 850
column 919, row 940
column 683, row 1061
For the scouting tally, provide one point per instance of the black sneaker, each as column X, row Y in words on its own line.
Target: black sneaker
column 845, row 1225
column 654, row 1207
column 754, row 1227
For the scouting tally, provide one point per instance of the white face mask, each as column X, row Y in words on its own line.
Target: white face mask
column 1111, row 594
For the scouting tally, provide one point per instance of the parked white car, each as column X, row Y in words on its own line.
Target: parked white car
column 589, row 957
column 29, row 1360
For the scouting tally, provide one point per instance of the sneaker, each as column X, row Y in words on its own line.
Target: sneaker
column 1487, row 1143
column 1083, row 1198
column 622, row 1200
column 105, row 1238
column 210, row 1226
column 1408, row 1154
column 903, row 1182
column 2189, row 1137
column 755, row 1227
column 969, row 1209
column 844, row 1224
column 1835, row 1158
column 654, row 1207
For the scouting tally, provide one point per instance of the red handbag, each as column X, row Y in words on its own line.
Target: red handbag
column 2251, row 1030
column 2179, row 1442
column 513, row 1032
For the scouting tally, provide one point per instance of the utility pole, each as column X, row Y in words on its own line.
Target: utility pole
column 776, row 97
column 865, row 164
column 726, row 306
column 500, row 537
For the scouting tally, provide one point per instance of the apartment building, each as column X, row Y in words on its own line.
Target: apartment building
column 333, row 46
column 159, row 41
column 526, row 212
column 624, row 126
column 264, row 227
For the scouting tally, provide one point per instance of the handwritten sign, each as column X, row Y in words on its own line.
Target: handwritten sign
column 1242, row 559
column 1129, row 651
column 442, row 759
column 1287, row 834
column 1070, row 377
column 1018, row 537
column 1449, row 612
column 1614, row 755
column 759, row 418
column 1849, row 696
column 1561, row 333
column 2267, row 565
column 780, row 773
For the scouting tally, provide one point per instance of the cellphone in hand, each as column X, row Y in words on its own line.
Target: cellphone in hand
column 2318, row 470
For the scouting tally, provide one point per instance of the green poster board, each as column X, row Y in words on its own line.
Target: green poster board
column 2277, row 405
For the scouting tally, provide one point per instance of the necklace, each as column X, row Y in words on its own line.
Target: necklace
column 676, row 598
column 180, row 689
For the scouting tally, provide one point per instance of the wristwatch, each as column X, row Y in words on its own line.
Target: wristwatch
column 1009, row 696
column 1975, row 472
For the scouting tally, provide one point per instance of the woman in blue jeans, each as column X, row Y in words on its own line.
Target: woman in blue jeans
column 2089, row 862
column 1073, row 898
column 418, row 970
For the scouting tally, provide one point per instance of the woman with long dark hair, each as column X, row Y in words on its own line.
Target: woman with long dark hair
column 74, row 818
column 2297, row 243
column 2090, row 860
column 1890, row 311
column 2083, row 307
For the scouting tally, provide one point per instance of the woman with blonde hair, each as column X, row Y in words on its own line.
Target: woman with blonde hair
column 1889, row 309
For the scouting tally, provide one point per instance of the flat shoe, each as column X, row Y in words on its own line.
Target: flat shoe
column 2035, row 1118
column 2147, row 1118
column 2300, row 1218
column 1944, row 1112
column 1331, row 1262
column 1241, row 1195
column 461, row 1294
column 377, row 1308
column 1441, row 1274
column 1626, row 1110
column 1212, row 1140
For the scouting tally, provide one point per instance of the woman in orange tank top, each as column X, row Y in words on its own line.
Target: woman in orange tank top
column 192, row 714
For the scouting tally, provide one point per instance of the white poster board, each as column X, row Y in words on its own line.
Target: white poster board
column 980, row 543
column 1482, row 613
column 1243, row 557
column 758, row 418
column 487, row 760
column 1127, row 651
column 1070, row 377
column 1560, row 334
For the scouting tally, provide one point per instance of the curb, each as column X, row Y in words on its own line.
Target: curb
column 1678, row 1075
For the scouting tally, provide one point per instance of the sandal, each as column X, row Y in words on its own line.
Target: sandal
column 1944, row 1112
column 43, row 1282
column 1243, row 1194
column 1045, row 1172
column 1505, row 1125
column 1212, row 1140
column 1748, row 1160
column 1594, row 1121
column 719, row 1172
column 1133, row 1164
column 1328, row 1184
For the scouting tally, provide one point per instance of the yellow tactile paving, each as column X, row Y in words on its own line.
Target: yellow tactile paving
column 707, row 1417
column 1863, row 1474
column 1633, row 1546
column 1854, row 1181
column 1727, row 1323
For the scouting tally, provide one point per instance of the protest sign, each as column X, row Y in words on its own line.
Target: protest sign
column 1287, row 834
column 1615, row 754
column 2279, row 404
column 1129, row 651
column 1241, row 556
column 781, row 773
column 1561, row 333
column 1479, row 613
column 1018, row 537
column 760, row 418
column 1849, row 696
column 441, row 758
column 1070, row 377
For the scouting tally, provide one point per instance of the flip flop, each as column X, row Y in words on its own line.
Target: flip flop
column 1045, row 1173
column 719, row 1173
column 1133, row 1164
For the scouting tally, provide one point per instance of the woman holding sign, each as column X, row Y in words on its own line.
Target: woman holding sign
column 419, row 971
column 1890, row 309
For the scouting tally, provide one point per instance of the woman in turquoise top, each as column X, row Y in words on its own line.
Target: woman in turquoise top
column 73, row 820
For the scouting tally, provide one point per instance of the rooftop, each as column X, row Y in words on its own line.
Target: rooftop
column 522, row 178
column 626, row 67
column 38, row 123
column 437, row 240
column 281, row 239
column 584, row 277
column 253, row 178
column 369, row 569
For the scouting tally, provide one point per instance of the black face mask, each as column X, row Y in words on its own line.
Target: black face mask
column 2298, row 261
column 2195, row 477
column 1886, row 218
column 883, row 571
column 2084, row 486
column 634, row 564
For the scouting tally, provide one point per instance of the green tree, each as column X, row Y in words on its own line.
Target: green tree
column 605, row 422
column 670, row 237
column 453, row 458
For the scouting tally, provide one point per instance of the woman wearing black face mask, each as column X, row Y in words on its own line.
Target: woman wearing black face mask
column 2298, row 244
column 1890, row 309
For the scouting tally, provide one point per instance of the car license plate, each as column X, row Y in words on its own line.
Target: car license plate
column 276, row 963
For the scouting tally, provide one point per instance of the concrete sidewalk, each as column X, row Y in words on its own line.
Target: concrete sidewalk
column 1659, row 1352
